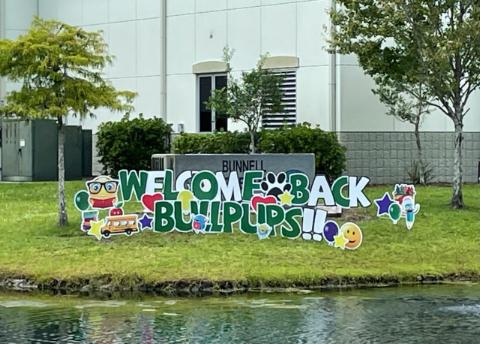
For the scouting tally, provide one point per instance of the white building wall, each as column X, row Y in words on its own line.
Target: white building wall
column 198, row 30
column 15, row 19
column 133, row 30
column 18, row 16
column 360, row 110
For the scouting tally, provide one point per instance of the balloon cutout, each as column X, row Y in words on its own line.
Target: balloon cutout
column 402, row 204
column 395, row 212
column 81, row 200
column 330, row 230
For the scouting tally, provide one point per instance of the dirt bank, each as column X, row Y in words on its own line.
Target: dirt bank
column 109, row 285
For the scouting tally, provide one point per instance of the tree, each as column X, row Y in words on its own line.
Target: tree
column 60, row 70
column 248, row 100
column 430, row 42
column 408, row 104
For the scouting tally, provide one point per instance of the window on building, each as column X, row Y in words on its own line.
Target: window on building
column 209, row 119
column 289, row 102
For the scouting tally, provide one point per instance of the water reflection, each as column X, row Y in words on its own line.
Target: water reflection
column 423, row 315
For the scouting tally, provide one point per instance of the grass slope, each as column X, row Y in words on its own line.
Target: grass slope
column 443, row 241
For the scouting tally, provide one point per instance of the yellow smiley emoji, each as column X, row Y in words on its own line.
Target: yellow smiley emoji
column 353, row 234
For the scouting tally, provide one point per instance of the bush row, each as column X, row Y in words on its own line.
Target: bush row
column 329, row 153
column 129, row 144
column 212, row 143
column 303, row 138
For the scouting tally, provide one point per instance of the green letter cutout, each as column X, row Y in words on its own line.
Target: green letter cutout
column 249, row 184
column 164, row 221
column 293, row 230
column 299, row 188
column 181, row 225
column 200, row 178
column 245, row 226
column 232, row 213
column 130, row 181
column 337, row 187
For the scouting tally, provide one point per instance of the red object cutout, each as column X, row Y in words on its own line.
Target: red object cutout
column 149, row 200
column 261, row 199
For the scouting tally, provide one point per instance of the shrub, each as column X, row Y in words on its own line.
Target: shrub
column 212, row 143
column 129, row 144
column 329, row 153
column 420, row 172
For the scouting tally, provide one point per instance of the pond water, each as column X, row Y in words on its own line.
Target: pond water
column 434, row 314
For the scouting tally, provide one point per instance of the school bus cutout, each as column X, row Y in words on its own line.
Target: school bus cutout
column 124, row 224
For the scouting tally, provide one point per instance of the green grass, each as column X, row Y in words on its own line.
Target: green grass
column 443, row 241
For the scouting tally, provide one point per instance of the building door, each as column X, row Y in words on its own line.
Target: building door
column 209, row 119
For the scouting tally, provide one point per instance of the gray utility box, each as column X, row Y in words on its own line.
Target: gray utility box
column 226, row 163
column 29, row 151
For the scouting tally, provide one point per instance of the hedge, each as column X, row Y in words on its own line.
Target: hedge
column 130, row 143
column 329, row 153
column 212, row 143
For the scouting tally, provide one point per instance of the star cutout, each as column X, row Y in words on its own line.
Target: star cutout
column 185, row 197
column 96, row 229
column 340, row 241
column 145, row 222
column 286, row 198
column 383, row 204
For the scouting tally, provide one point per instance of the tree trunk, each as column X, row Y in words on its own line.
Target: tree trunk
column 62, row 210
column 253, row 149
column 457, row 198
column 419, row 152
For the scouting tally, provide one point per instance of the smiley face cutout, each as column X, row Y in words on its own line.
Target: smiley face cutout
column 353, row 234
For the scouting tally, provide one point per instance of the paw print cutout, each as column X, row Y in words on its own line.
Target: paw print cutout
column 275, row 185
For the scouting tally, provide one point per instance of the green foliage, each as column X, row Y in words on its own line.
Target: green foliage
column 60, row 69
column 433, row 43
column 129, row 144
column 427, row 42
column 329, row 153
column 407, row 106
column 249, row 99
column 420, row 173
column 214, row 143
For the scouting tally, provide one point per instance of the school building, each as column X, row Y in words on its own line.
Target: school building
column 170, row 52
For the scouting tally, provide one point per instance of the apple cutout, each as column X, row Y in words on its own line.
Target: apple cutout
column 116, row 212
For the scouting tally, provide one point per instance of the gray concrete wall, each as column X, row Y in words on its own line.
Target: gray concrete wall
column 385, row 157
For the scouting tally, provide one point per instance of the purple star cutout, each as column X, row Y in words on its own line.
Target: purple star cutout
column 383, row 204
column 146, row 222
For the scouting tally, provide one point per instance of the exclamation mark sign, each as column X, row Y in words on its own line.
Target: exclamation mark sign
column 320, row 218
column 307, row 225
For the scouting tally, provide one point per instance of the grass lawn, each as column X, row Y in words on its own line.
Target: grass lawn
column 443, row 241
